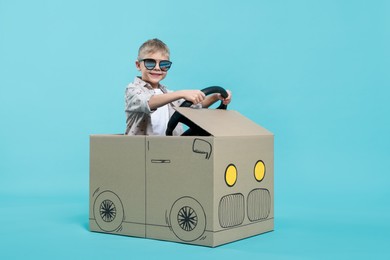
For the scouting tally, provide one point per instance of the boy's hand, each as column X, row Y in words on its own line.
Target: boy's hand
column 211, row 99
column 194, row 96
column 227, row 100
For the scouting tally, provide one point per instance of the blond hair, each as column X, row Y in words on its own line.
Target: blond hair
column 152, row 46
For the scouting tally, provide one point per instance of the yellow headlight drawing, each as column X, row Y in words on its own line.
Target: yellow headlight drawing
column 259, row 171
column 231, row 175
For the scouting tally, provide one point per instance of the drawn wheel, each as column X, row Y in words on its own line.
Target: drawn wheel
column 108, row 211
column 188, row 220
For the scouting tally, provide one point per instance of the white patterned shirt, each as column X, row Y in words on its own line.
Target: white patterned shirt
column 138, row 112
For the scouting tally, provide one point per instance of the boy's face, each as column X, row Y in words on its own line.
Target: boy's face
column 155, row 75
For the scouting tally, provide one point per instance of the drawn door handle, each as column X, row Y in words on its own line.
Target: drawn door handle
column 161, row 161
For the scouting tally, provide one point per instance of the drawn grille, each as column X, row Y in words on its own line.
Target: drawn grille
column 231, row 210
column 259, row 204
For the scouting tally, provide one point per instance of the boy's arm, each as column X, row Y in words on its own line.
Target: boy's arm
column 194, row 96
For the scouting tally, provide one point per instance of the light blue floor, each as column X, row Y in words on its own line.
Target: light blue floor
column 51, row 225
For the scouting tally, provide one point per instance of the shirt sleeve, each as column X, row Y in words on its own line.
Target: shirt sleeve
column 137, row 100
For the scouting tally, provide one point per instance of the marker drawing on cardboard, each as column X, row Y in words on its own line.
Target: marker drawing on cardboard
column 212, row 186
column 203, row 147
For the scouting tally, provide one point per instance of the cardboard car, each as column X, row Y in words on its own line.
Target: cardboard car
column 203, row 190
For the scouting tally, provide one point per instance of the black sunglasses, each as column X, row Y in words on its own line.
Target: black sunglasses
column 164, row 65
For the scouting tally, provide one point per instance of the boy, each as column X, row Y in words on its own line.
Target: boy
column 148, row 104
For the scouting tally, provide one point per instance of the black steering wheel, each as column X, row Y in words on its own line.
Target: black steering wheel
column 193, row 128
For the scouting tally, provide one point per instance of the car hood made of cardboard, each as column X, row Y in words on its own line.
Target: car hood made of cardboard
column 219, row 122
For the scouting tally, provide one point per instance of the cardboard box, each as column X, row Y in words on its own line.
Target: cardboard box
column 203, row 190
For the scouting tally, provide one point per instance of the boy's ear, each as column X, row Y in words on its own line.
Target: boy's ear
column 138, row 65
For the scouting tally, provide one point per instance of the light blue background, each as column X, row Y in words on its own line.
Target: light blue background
column 316, row 73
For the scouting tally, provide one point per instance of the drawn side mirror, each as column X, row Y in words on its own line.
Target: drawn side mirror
column 203, row 147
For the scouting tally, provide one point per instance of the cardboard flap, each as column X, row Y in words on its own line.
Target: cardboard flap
column 219, row 122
